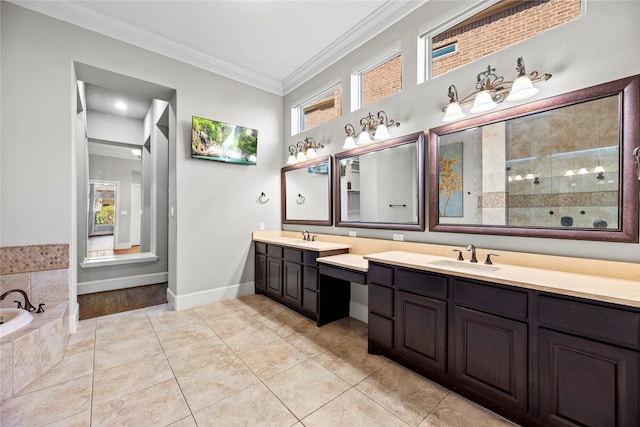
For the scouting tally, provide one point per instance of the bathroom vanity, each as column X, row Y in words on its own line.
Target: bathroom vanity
column 286, row 270
column 512, row 339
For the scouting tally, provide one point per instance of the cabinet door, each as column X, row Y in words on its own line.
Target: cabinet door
column 274, row 277
column 292, row 285
column 490, row 356
column 584, row 382
column 260, row 278
column 421, row 330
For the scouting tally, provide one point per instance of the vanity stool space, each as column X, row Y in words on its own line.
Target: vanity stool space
column 535, row 357
column 291, row 276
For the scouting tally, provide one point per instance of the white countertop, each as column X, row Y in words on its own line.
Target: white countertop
column 625, row 292
column 350, row 261
column 301, row 244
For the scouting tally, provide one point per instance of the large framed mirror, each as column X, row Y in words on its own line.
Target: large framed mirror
column 561, row 167
column 306, row 192
column 381, row 185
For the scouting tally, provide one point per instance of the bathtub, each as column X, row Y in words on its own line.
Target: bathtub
column 13, row 319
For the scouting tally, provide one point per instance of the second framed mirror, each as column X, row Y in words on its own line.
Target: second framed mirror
column 381, row 185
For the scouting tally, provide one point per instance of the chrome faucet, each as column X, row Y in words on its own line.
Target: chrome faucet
column 27, row 304
column 472, row 248
column 306, row 236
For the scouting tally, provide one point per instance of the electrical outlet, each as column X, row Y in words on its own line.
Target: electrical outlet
column 398, row 237
column 261, row 226
column 352, row 234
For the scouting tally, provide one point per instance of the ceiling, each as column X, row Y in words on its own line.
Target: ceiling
column 272, row 45
column 109, row 101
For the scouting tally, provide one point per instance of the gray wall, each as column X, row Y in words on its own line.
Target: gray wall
column 215, row 204
column 598, row 47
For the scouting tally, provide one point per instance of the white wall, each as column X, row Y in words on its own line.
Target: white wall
column 598, row 47
column 216, row 206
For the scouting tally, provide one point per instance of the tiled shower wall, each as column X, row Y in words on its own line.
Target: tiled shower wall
column 545, row 146
column 42, row 271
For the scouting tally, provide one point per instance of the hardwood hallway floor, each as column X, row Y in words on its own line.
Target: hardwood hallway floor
column 110, row 302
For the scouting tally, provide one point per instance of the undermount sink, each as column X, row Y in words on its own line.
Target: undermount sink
column 465, row 266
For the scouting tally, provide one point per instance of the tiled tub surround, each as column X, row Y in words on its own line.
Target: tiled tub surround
column 42, row 271
column 30, row 352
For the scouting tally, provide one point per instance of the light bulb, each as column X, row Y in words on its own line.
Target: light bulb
column 364, row 138
column 349, row 143
column 522, row 89
column 453, row 112
column 484, row 102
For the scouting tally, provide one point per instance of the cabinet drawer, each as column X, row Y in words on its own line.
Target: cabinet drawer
column 261, row 248
column 310, row 258
column 492, row 299
column 590, row 320
column 310, row 278
column 275, row 251
column 420, row 283
column 380, row 330
column 381, row 300
column 380, row 274
column 310, row 300
column 293, row 255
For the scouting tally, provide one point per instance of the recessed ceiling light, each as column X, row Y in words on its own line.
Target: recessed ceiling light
column 120, row 105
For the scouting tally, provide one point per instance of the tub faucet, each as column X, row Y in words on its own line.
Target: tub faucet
column 472, row 248
column 27, row 304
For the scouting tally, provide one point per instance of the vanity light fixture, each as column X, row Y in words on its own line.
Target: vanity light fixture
column 376, row 126
column 492, row 89
column 303, row 150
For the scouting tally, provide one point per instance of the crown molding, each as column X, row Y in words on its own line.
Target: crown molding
column 378, row 21
column 75, row 14
column 80, row 16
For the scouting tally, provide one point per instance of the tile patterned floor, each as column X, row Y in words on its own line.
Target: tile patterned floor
column 242, row 362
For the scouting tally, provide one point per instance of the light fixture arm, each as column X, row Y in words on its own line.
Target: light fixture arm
column 309, row 142
column 384, row 120
column 496, row 86
column 350, row 130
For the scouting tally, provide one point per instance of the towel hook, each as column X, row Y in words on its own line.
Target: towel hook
column 301, row 199
column 263, row 198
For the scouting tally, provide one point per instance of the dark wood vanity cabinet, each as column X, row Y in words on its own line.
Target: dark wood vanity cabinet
column 588, row 358
column 490, row 342
column 381, row 309
column 421, row 319
column 291, row 277
column 537, row 358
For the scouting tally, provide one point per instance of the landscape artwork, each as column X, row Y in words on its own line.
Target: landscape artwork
column 223, row 142
column 450, row 170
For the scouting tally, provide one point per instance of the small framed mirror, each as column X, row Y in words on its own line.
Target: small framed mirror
column 306, row 192
column 560, row 167
column 381, row 185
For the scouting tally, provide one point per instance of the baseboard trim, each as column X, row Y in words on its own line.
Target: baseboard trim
column 359, row 311
column 121, row 283
column 183, row 302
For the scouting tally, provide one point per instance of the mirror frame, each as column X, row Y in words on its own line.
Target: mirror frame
column 628, row 89
column 419, row 139
column 283, row 191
